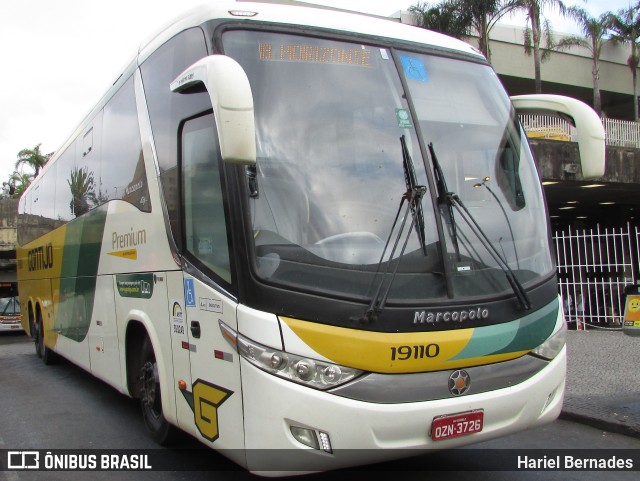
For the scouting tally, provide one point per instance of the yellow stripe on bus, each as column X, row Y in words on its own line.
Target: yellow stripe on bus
column 385, row 352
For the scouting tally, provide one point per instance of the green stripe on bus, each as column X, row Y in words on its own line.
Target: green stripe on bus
column 80, row 261
column 523, row 334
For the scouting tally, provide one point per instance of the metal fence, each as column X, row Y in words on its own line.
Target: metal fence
column 547, row 127
column 594, row 266
column 620, row 133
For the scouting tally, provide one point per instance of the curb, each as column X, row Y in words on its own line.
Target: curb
column 605, row 425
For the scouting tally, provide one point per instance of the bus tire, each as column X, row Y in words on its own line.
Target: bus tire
column 43, row 352
column 158, row 427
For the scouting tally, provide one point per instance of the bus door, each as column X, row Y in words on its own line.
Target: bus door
column 215, row 391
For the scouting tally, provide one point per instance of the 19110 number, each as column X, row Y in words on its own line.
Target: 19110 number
column 402, row 353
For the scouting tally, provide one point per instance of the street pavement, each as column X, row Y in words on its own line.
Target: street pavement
column 603, row 380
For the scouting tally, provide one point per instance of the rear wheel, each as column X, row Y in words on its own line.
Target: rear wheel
column 151, row 400
column 37, row 338
column 43, row 352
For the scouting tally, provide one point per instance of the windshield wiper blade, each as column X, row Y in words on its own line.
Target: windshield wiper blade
column 453, row 201
column 413, row 196
column 517, row 288
column 412, row 184
column 443, row 199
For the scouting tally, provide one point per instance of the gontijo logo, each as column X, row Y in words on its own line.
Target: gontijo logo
column 40, row 257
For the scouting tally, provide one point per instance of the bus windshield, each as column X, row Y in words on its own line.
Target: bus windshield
column 328, row 197
column 9, row 305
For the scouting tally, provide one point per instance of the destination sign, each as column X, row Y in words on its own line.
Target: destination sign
column 360, row 56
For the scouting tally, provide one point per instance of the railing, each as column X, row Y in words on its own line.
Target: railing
column 594, row 267
column 547, row 127
column 622, row 133
column 619, row 133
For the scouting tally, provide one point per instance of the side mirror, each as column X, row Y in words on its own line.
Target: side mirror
column 232, row 101
column 588, row 126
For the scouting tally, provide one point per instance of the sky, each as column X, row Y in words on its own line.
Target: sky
column 57, row 57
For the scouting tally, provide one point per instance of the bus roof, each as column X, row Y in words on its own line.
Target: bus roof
column 309, row 16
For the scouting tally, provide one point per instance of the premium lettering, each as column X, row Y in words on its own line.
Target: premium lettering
column 129, row 239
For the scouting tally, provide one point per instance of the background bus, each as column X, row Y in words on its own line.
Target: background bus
column 9, row 307
column 310, row 239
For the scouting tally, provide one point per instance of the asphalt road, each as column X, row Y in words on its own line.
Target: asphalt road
column 63, row 407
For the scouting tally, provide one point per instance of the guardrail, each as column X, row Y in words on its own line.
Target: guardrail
column 619, row 133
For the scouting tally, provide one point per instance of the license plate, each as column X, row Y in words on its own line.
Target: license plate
column 456, row 425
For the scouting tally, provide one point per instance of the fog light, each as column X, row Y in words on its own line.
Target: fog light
column 305, row 436
column 325, row 443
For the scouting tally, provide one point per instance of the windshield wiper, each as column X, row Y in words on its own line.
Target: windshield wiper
column 453, row 201
column 441, row 186
column 412, row 184
column 413, row 196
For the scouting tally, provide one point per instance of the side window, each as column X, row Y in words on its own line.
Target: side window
column 76, row 174
column 167, row 109
column 68, row 198
column 205, row 232
column 124, row 176
column 47, row 201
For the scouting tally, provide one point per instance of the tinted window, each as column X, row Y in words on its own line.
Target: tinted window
column 168, row 109
column 123, row 175
column 204, row 219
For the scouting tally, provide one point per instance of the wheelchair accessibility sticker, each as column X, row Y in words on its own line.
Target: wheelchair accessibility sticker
column 189, row 293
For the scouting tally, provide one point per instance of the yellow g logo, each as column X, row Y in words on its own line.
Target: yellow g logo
column 207, row 398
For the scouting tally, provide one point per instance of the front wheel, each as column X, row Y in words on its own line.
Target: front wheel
column 150, row 399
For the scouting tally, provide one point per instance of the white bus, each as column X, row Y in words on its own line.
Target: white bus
column 307, row 233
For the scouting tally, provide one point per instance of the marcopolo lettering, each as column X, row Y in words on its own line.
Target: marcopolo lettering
column 40, row 257
column 433, row 317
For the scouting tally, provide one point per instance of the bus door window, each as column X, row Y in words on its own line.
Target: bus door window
column 204, row 219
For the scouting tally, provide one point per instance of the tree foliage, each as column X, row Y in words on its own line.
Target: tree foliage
column 32, row 158
column 595, row 31
column 484, row 16
column 537, row 28
column 626, row 29
column 447, row 17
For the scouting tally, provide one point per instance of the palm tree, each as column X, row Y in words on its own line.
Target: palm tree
column 33, row 158
column 534, row 31
column 21, row 182
column 484, row 15
column 81, row 184
column 595, row 31
column 447, row 17
column 626, row 28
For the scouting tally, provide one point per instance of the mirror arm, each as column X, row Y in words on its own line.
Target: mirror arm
column 589, row 128
column 232, row 100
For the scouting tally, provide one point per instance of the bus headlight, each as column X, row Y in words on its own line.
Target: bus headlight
column 553, row 345
column 310, row 372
